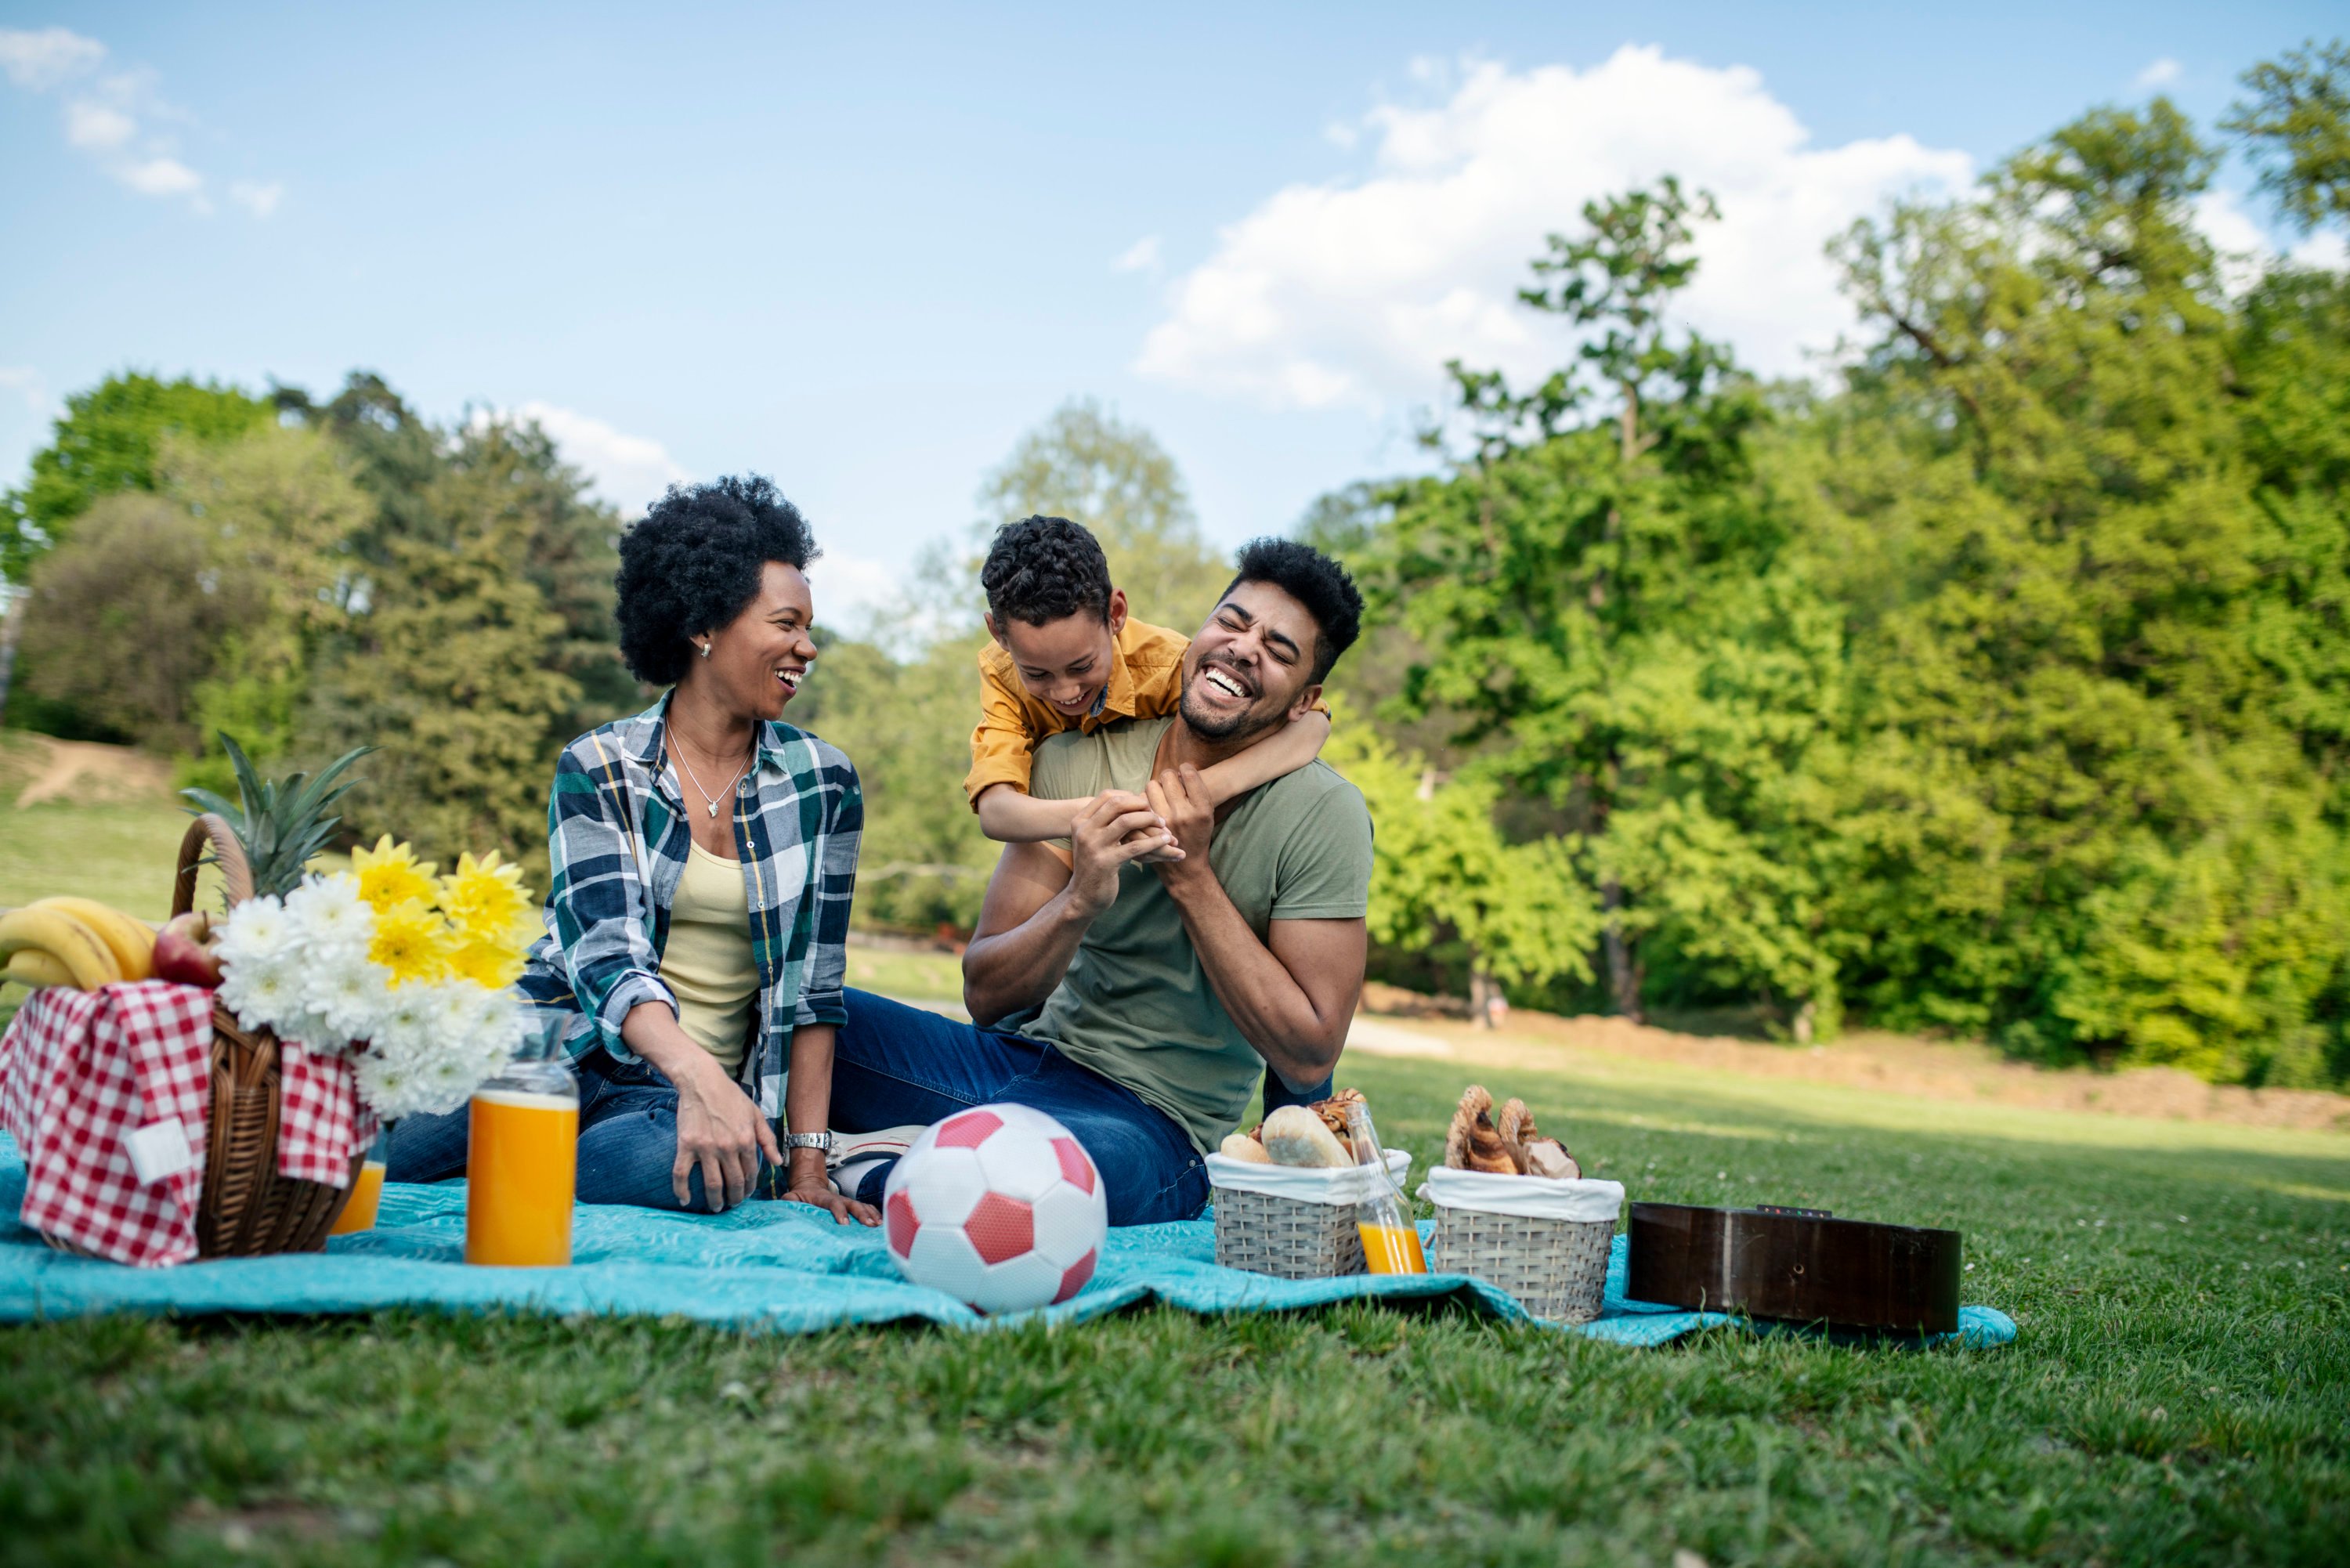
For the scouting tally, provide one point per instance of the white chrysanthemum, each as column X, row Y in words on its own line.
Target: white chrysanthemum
column 405, row 1021
column 393, row 1085
column 257, row 932
column 346, row 993
column 262, row 991
column 330, row 919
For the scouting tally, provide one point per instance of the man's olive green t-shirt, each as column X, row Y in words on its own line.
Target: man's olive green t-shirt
column 1135, row 1006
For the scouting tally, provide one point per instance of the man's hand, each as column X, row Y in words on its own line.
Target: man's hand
column 1116, row 828
column 1180, row 795
column 719, row 1129
column 818, row 1193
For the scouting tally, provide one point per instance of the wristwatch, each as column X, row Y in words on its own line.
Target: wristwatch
column 822, row 1140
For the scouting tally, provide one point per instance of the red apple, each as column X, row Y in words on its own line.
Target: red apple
column 180, row 954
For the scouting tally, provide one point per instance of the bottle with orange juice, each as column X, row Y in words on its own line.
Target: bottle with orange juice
column 521, row 1163
column 1390, row 1240
column 367, row 1190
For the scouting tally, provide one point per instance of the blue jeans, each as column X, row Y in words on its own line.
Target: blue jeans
column 627, row 1139
column 896, row 1065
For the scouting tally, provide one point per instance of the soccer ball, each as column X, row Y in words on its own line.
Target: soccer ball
column 999, row 1207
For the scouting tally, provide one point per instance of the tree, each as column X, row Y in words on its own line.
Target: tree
column 1444, row 875
column 1608, row 525
column 107, row 441
column 2298, row 123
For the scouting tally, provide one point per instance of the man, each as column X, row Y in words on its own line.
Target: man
column 1138, row 1002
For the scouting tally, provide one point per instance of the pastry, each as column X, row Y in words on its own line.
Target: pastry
column 1241, row 1146
column 1333, row 1112
column 1474, row 1143
column 1296, row 1136
column 1534, row 1153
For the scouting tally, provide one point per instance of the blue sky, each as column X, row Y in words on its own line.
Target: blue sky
column 862, row 251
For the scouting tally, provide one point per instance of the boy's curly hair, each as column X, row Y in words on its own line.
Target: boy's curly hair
column 694, row 563
column 1042, row 569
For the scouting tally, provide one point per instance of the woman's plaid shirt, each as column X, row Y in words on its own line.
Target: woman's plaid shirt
column 619, row 839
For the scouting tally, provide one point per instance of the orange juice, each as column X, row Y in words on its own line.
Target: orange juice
column 1392, row 1250
column 358, row 1208
column 518, row 1177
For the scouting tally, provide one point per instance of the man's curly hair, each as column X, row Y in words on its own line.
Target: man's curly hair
column 1314, row 580
column 693, row 564
column 1043, row 568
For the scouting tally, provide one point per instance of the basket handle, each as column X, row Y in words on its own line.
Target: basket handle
column 211, row 829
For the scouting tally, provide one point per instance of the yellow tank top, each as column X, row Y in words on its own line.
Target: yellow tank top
column 708, row 963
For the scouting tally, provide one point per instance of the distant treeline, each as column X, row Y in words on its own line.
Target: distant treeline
column 1998, row 685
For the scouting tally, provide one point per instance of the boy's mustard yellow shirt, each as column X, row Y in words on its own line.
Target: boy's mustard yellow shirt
column 1146, row 681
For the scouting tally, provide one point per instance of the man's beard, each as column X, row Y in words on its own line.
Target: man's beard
column 1237, row 725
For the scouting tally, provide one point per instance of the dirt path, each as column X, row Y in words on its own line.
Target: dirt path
column 1894, row 1063
column 85, row 772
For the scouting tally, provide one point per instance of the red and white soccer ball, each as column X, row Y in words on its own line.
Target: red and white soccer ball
column 999, row 1207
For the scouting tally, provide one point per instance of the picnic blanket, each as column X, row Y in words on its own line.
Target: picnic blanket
column 778, row 1267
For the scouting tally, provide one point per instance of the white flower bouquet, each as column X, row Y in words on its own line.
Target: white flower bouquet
column 404, row 974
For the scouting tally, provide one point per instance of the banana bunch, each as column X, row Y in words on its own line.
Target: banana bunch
column 78, row 943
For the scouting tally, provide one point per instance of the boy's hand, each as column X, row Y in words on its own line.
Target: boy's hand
column 1180, row 797
column 1161, row 846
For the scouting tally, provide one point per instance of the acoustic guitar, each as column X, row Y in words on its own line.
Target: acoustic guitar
column 1797, row 1265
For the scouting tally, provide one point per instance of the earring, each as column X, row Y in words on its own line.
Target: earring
column 705, row 650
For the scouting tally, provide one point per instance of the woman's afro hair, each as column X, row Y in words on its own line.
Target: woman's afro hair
column 1043, row 569
column 1314, row 580
column 694, row 563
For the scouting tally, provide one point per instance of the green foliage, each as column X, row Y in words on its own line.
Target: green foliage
column 2298, row 122
column 111, row 439
column 281, row 825
column 1521, row 913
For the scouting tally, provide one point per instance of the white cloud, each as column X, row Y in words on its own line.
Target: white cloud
column 159, row 176
column 1354, row 293
column 44, row 60
column 851, row 591
column 109, row 118
column 260, row 200
column 1135, row 257
column 630, row 471
column 2247, row 250
column 29, row 385
column 2162, row 73
column 97, row 127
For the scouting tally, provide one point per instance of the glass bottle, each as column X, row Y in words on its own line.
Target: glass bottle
column 522, row 1160
column 1390, row 1240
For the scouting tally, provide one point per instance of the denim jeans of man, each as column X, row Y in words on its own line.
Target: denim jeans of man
column 627, row 1139
column 894, row 1064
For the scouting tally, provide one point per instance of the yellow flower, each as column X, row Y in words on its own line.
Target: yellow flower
column 482, row 896
column 389, row 875
column 493, row 964
column 412, row 942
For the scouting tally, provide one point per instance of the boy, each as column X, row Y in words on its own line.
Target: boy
column 1065, row 656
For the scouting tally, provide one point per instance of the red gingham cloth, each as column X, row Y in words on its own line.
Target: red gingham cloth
column 320, row 1119
column 80, row 1069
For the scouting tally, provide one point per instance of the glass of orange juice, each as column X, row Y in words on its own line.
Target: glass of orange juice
column 523, row 1157
column 367, row 1190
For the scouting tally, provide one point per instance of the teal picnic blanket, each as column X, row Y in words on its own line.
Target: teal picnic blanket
column 782, row 1267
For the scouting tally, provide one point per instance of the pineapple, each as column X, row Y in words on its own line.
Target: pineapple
column 281, row 825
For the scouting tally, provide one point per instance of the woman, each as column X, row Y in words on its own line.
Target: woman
column 705, row 853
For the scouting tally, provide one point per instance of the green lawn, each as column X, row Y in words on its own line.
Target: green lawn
column 2181, row 1393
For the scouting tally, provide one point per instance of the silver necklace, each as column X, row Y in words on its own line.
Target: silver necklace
column 730, row 784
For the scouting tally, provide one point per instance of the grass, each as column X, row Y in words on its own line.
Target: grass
column 2181, row 1391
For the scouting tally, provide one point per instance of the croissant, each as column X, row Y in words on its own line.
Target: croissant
column 1473, row 1143
column 1534, row 1153
column 1333, row 1112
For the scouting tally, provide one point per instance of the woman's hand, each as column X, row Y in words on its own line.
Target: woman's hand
column 720, row 1130
column 818, row 1193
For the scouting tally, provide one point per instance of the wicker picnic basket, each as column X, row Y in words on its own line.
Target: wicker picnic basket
column 1555, row 1268
column 247, row 1208
column 1287, row 1238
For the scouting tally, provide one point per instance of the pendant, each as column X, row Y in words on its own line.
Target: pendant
column 713, row 808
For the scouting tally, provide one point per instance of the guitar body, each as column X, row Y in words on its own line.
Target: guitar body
column 1801, row 1265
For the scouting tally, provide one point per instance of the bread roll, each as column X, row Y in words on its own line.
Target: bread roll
column 1296, row 1136
column 1241, row 1147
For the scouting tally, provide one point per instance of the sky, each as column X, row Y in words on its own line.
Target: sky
column 862, row 250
